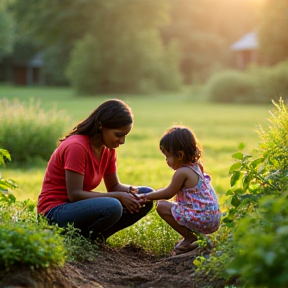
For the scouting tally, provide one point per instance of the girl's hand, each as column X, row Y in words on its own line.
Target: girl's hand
column 130, row 202
column 142, row 199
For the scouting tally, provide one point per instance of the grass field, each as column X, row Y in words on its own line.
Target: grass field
column 219, row 128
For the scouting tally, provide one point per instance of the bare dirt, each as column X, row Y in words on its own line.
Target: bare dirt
column 128, row 267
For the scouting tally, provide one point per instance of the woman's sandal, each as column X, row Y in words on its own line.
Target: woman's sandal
column 184, row 249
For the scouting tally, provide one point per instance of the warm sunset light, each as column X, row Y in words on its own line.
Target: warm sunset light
column 143, row 143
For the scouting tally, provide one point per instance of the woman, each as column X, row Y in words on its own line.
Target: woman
column 82, row 159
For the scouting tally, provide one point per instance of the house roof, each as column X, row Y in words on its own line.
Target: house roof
column 247, row 42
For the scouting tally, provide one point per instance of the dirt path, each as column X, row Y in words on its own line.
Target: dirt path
column 128, row 267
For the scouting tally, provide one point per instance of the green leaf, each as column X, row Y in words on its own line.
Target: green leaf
column 232, row 212
column 229, row 192
column 234, row 178
column 238, row 191
column 199, row 260
column 257, row 162
column 227, row 219
column 4, row 154
column 241, row 146
column 235, row 201
column 238, row 155
column 234, row 167
column 246, row 157
column 246, row 181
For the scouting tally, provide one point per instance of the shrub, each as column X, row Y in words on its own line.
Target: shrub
column 22, row 239
column 274, row 144
column 262, row 237
column 29, row 132
column 231, row 87
column 29, row 244
column 30, row 240
column 253, row 237
column 270, row 82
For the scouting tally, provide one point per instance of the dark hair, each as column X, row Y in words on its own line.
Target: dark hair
column 111, row 114
column 181, row 138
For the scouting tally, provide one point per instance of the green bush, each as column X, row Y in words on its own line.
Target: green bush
column 262, row 239
column 231, row 87
column 253, row 236
column 274, row 144
column 271, row 82
column 29, row 132
column 258, row 84
column 26, row 239
column 25, row 243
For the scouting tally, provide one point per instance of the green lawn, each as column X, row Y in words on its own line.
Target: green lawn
column 219, row 128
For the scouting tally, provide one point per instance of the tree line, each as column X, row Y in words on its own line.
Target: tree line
column 137, row 45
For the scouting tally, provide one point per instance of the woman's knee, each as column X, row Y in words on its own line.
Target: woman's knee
column 102, row 208
column 144, row 189
column 112, row 206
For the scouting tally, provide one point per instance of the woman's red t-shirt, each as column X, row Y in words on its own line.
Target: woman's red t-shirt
column 74, row 153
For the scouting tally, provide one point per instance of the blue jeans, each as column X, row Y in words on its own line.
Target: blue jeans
column 103, row 215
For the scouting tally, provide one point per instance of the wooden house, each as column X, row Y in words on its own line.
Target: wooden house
column 245, row 50
column 28, row 72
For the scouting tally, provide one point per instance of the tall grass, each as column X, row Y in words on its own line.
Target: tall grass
column 219, row 128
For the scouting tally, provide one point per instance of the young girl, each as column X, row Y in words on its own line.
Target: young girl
column 196, row 207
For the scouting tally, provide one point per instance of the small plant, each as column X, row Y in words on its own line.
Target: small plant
column 79, row 247
column 260, row 260
column 29, row 244
column 5, row 184
column 22, row 239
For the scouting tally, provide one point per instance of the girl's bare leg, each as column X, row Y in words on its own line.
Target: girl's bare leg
column 164, row 210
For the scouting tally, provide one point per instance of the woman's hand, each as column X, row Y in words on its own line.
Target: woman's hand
column 130, row 202
column 133, row 190
column 142, row 199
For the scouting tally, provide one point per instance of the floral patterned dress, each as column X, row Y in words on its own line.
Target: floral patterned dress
column 197, row 208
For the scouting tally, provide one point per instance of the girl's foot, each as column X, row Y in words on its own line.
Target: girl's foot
column 181, row 249
column 186, row 241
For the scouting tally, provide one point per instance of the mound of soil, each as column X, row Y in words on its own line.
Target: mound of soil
column 114, row 268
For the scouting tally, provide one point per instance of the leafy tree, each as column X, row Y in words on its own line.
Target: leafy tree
column 119, row 56
column 118, row 41
column 7, row 30
column 205, row 29
column 273, row 37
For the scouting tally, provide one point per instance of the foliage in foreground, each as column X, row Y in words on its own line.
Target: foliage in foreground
column 28, row 132
column 25, row 243
column 26, row 240
column 261, row 257
column 253, row 237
